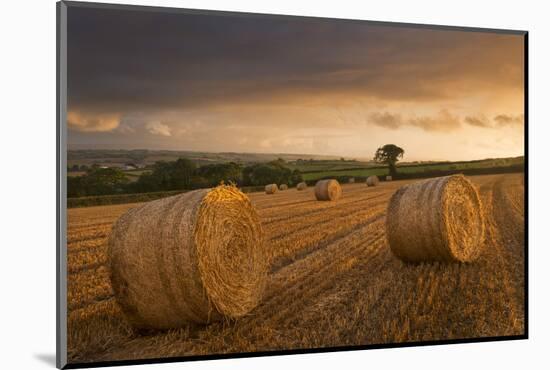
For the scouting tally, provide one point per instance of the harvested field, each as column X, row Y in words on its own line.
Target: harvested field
column 333, row 281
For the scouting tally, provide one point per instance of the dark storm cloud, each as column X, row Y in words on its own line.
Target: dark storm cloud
column 509, row 119
column 479, row 121
column 386, row 119
column 441, row 121
column 130, row 61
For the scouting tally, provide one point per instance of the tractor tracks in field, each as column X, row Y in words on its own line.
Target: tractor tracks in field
column 317, row 209
column 302, row 253
column 288, row 246
column 507, row 238
column 509, row 218
column 294, row 285
column 318, row 219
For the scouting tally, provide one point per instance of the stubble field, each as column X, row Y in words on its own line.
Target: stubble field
column 333, row 281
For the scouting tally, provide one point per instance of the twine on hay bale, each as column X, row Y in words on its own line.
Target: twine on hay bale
column 195, row 257
column 438, row 219
column 389, row 178
column 328, row 190
column 372, row 180
column 283, row 187
column 271, row 189
column 301, row 186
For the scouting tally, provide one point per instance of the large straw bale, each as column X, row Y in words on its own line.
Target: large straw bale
column 439, row 219
column 389, row 178
column 195, row 257
column 328, row 190
column 283, row 187
column 372, row 180
column 271, row 189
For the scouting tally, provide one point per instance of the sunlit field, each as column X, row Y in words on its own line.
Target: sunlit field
column 333, row 281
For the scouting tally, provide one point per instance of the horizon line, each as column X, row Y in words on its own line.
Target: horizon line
column 336, row 156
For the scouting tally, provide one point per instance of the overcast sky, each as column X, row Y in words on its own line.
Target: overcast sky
column 290, row 85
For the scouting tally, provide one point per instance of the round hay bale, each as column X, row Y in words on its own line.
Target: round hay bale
column 271, row 188
column 439, row 219
column 195, row 257
column 372, row 180
column 283, row 187
column 328, row 190
column 389, row 178
column 351, row 180
column 301, row 186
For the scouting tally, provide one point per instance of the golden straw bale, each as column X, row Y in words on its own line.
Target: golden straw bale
column 328, row 190
column 301, row 186
column 372, row 180
column 439, row 219
column 283, row 187
column 271, row 188
column 194, row 257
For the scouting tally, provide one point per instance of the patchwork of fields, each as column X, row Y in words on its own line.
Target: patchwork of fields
column 333, row 281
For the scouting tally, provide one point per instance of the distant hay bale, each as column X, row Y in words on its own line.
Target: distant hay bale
column 301, row 186
column 372, row 180
column 283, row 187
column 328, row 190
column 271, row 188
column 195, row 257
column 389, row 178
column 351, row 180
column 438, row 219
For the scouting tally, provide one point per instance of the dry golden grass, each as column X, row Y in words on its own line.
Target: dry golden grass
column 333, row 281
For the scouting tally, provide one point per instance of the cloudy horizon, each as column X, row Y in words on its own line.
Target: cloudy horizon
column 148, row 80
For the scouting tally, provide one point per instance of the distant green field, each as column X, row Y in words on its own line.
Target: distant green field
column 136, row 172
column 406, row 168
column 365, row 172
column 327, row 165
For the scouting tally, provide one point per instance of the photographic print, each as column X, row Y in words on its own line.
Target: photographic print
column 244, row 184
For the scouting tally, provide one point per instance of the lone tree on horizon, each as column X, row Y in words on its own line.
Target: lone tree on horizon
column 389, row 154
